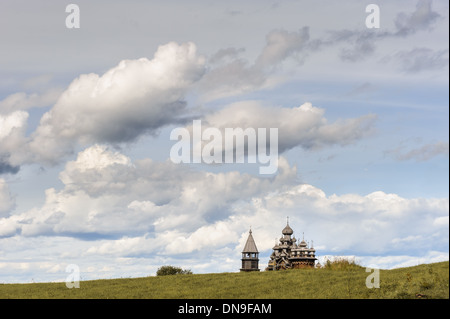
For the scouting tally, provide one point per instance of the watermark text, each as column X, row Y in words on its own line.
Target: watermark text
column 231, row 146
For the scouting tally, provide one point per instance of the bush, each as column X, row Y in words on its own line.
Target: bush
column 341, row 263
column 172, row 270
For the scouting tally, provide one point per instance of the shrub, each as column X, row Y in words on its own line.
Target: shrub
column 341, row 263
column 172, row 270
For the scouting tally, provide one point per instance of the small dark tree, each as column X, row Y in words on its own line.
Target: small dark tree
column 172, row 270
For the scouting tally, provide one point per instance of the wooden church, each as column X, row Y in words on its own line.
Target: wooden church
column 286, row 254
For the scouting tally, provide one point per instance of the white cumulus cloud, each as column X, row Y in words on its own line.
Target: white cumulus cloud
column 304, row 126
column 135, row 97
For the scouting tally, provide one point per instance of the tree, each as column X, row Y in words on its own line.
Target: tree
column 172, row 270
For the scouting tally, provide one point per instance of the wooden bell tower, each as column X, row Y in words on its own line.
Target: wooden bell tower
column 250, row 254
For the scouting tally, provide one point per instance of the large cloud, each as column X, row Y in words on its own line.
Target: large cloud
column 135, row 97
column 105, row 194
column 177, row 210
column 141, row 96
column 380, row 223
column 303, row 126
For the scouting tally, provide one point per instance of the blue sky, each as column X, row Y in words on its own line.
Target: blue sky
column 86, row 116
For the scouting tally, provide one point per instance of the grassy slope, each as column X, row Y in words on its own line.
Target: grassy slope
column 431, row 280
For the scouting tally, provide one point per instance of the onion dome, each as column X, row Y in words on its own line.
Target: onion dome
column 287, row 230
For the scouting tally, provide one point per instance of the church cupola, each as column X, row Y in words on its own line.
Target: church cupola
column 287, row 230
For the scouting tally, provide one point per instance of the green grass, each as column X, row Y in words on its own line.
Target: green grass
column 340, row 281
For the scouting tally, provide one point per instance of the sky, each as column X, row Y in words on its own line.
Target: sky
column 86, row 117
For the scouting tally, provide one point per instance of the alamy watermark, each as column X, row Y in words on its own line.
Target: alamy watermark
column 73, row 19
column 373, row 19
column 373, row 280
column 233, row 146
column 73, row 279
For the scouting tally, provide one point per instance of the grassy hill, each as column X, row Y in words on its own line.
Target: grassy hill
column 429, row 280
